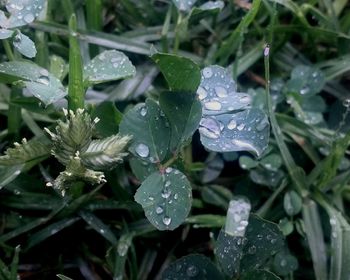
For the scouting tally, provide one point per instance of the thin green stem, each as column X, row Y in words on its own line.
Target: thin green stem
column 76, row 91
column 177, row 33
column 8, row 50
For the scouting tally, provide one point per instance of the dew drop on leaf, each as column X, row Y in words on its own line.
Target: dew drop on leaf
column 142, row 150
column 166, row 220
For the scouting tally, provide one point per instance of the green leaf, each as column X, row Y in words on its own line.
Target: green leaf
column 110, row 118
column 272, row 162
column 266, row 177
column 216, row 195
column 22, row 12
column 292, row 203
column 192, row 267
column 260, row 274
column 150, row 130
column 210, row 8
column 24, row 45
column 184, row 5
column 9, row 173
column 141, row 169
column 284, row 263
column 5, row 33
column 99, row 226
column 218, row 92
column 50, row 230
column 184, row 112
column 181, row 73
column 25, row 152
column 62, row 277
column 166, row 198
column 244, row 254
column 306, row 81
column 108, row 66
column 38, row 81
column 246, row 162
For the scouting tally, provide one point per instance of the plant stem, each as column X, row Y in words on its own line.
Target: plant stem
column 177, row 33
column 76, row 92
column 8, row 50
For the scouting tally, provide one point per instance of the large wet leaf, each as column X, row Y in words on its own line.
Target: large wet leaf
column 228, row 123
column 108, row 66
column 166, row 198
column 248, row 130
column 37, row 80
column 184, row 112
column 150, row 130
column 181, row 73
column 192, row 267
column 24, row 45
column 243, row 254
column 184, row 5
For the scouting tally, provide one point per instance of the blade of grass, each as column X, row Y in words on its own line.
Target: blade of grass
column 94, row 20
column 14, row 264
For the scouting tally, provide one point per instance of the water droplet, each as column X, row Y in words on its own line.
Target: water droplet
column 159, row 210
column 221, row 92
column 252, row 250
column 166, row 193
column 283, row 263
column 167, row 183
column 28, row 18
column 346, row 103
column 142, row 150
column 202, row 93
column 305, row 90
column 44, row 80
column 192, row 271
column 241, row 126
column 143, row 111
column 210, row 128
column 44, row 72
column 168, row 170
column 260, row 126
column 207, row 73
column 232, row 124
column 166, row 220
column 246, row 99
column 213, row 105
column 176, row 196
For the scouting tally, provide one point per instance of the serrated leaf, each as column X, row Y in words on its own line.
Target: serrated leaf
column 150, row 130
column 25, row 152
column 248, row 130
column 181, row 73
column 105, row 153
column 184, row 112
column 24, row 45
column 192, row 267
column 305, row 81
column 166, row 198
column 108, row 66
column 38, row 81
column 22, row 12
column 184, row 5
column 5, row 33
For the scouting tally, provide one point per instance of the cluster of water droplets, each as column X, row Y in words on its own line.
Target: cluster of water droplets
column 22, row 12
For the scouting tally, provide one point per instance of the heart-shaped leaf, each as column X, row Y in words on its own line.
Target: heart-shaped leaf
column 184, row 112
column 228, row 124
column 150, row 130
column 166, row 198
column 192, row 267
column 24, row 45
column 108, row 66
column 181, row 73
column 37, row 80
column 22, row 12
column 184, row 5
